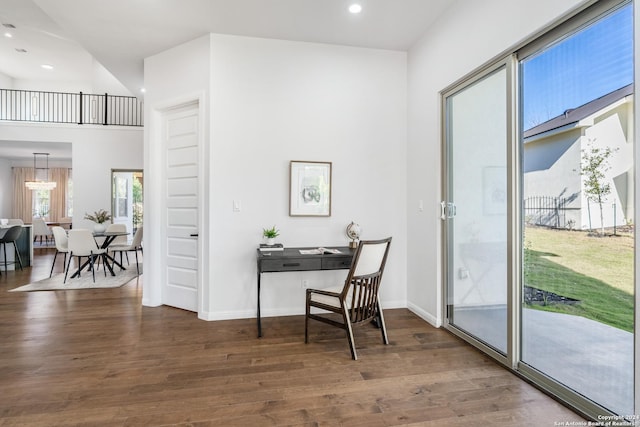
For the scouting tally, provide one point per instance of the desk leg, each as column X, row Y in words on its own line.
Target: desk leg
column 259, row 320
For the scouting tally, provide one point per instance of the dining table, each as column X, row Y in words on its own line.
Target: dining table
column 109, row 237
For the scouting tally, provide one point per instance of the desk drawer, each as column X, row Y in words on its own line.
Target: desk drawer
column 336, row 263
column 291, row 264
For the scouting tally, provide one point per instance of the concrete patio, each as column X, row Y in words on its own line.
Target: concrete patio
column 589, row 357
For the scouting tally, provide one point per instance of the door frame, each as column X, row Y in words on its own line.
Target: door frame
column 154, row 205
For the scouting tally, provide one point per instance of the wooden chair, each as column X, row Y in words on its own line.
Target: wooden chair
column 357, row 300
column 62, row 246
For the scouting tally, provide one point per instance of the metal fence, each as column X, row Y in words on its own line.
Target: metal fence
column 80, row 108
column 547, row 210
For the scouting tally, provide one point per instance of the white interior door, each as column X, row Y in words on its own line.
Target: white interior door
column 181, row 217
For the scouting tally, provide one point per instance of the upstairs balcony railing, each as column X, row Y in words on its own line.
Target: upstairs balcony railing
column 80, row 108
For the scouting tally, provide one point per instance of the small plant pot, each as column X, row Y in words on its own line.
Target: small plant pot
column 270, row 240
column 100, row 228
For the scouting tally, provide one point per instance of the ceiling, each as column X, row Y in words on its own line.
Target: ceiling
column 21, row 150
column 121, row 33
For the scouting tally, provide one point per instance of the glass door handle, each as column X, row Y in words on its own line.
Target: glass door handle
column 447, row 210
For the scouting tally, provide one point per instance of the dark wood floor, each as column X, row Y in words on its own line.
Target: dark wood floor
column 97, row 357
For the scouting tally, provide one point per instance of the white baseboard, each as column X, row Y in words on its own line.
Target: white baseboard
column 428, row 317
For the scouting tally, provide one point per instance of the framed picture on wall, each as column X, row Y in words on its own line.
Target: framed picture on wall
column 309, row 188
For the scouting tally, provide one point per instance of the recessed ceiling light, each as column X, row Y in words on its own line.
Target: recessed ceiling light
column 143, row 90
column 355, row 8
column 47, row 66
column 8, row 35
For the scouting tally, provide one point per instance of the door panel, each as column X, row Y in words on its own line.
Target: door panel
column 182, row 208
column 477, row 208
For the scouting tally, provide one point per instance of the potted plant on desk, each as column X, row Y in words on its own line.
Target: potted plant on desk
column 99, row 217
column 270, row 234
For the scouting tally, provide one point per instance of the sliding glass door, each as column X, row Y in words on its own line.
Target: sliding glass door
column 475, row 209
column 538, row 210
column 578, row 234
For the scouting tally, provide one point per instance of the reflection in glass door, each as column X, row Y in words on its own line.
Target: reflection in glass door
column 475, row 209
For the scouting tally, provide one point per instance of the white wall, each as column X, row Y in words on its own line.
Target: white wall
column 6, row 82
column 170, row 77
column 53, row 85
column 95, row 151
column 6, row 188
column 104, row 82
column 274, row 101
column 468, row 35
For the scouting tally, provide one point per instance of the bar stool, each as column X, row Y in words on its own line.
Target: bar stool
column 12, row 234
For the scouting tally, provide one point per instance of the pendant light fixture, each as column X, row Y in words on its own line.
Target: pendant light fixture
column 40, row 184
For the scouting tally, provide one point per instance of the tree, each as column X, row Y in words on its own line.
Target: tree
column 595, row 162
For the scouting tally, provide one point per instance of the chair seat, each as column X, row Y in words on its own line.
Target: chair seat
column 331, row 300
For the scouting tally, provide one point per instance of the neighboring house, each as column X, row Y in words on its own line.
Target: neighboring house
column 553, row 181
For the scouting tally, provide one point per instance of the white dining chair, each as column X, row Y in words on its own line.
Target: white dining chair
column 135, row 246
column 40, row 229
column 62, row 246
column 82, row 244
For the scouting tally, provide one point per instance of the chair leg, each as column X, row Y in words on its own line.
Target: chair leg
column 306, row 319
column 53, row 264
column 137, row 263
column 4, row 245
column 17, row 254
column 68, row 266
column 381, row 325
column 126, row 254
column 349, row 330
column 93, row 270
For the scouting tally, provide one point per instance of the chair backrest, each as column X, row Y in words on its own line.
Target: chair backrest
column 120, row 228
column 81, row 242
column 40, row 227
column 365, row 276
column 60, row 237
column 12, row 234
column 137, row 238
column 15, row 221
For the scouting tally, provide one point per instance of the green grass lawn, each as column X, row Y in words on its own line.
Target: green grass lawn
column 598, row 271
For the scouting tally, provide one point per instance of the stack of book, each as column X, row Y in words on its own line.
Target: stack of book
column 271, row 248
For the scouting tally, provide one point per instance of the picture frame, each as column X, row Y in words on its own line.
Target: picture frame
column 310, row 185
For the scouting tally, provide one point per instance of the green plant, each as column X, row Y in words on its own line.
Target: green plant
column 99, row 216
column 595, row 164
column 270, row 233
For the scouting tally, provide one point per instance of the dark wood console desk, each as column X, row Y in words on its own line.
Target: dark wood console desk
column 290, row 259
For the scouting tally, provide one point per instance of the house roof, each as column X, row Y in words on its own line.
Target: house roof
column 574, row 115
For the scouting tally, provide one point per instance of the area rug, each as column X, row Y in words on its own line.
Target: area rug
column 84, row 282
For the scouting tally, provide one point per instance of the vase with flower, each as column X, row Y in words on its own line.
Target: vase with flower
column 99, row 217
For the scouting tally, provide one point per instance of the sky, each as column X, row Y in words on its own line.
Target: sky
column 585, row 66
